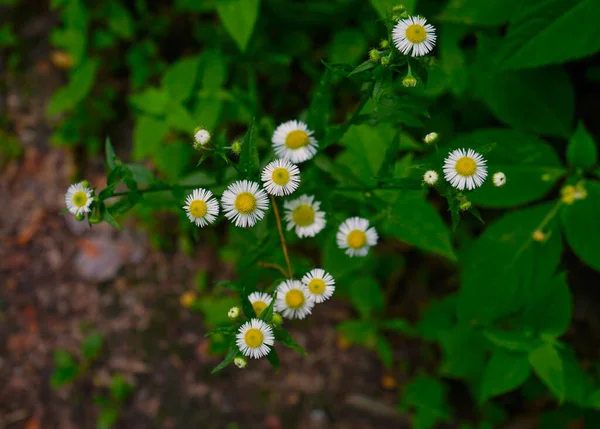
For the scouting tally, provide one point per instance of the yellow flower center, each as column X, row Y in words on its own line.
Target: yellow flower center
column 80, row 198
column 198, row 208
column 245, row 203
column 259, row 307
column 416, row 33
column 297, row 139
column 303, row 215
column 466, row 166
column 317, row 286
column 357, row 239
column 254, row 338
column 281, row 176
column 294, row 299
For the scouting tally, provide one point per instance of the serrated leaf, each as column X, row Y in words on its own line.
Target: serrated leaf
column 505, row 371
column 239, row 17
column 582, row 151
column 547, row 364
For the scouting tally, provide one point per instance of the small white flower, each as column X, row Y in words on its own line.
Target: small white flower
column 294, row 301
column 430, row 177
column 356, row 237
column 293, row 142
column 280, row 177
column 304, row 215
column 414, row 34
column 202, row 136
column 234, row 312
column 201, row 208
column 240, row 362
column 78, row 199
column 255, row 338
column 465, row 169
column 499, row 179
column 430, row 138
column 244, row 203
column 320, row 284
column 260, row 301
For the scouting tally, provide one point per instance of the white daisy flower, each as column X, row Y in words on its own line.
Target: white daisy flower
column 499, row 179
column 255, row 338
column 430, row 177
column 414, row 34
column 244, row 203
column 356, row 237
column 201, row 208
column 294, row 301
column 260, row 301
column 280, row 177
column 233, row 313
column 293, row 142
column 320, row 284
column 465, row 169
column 303, row 214
column 201, row 136
column 78, row 199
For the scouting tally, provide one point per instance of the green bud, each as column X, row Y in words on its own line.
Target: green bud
column 80, row 216
column 399, row 8
column 465, row 205
column 384, row 44
column 409, row 81
column 385, row 61
column 277, row 320
column 395, row 18
column 85, row 183
column 374, row 55
column 236, row 147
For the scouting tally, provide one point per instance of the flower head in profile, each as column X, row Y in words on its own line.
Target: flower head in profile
column 499, row 179
column 294, row 301
column 355, row 237
column 465, row 169
column 320, row 284
column 430, row 177
column 255, row 338
column 280, row 177
column 244, row 203
column 304, row 215
column 293, row 141
column 79, row 198
column 201, row 137
column 413, row 36
column 260, row 301
column 201, row 208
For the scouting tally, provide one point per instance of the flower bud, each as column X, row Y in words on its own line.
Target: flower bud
column 236, row 147
column 384, row 44
column 431, row 138
column 538, row 235
column 201, row 137
column 234, row 313
column 409, row 81
column 240, row 362
column 276, row 320
column 430, row 177
column 399, row 8
column 385, row 61
column 374, row 55
column 80, row 216
column 499, row 179
column 85, row 183
column 465, row 205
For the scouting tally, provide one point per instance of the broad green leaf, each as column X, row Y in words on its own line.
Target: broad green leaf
column 522, row 99
column 413, row 220
column 249, row 161
column 505, row 260
column 512, row 341
column 438, row 319
column 366, row 296
column 111, row 157
column 239, row 17
column 505, row 371
column 108, row 417
column 582, row 151
column 537, row 36
column 108, row 218
column 147, row 136
column 92, row 345
column 427, row 396
column 399, row 325
column 579, row 384
column 384, row 7
column 78, row 87
column 480, row 12
column 546, row 297
column 223, row 329
column 119, row 20
column 464, row 352
column 151, row 100
column 179, row 118
column 347, row 47
column 180, row 77
column 582, row 227
column 213, row 70
column 547, row 364
column 531, row 166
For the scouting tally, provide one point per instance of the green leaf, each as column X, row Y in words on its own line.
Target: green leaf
column 246, row 304
column 531, row 166
column 179, row 118
column 546, row 297
column 267, row 313
column 91, row 346
column 582, row 151
column 547, row 364
column 464, row 352
column 66, row 369
column 107, row 417
column 318, row 112
column 348, row 46
column 224, row 329
column 427, row 395
column 249, row 161
column 505, row 371
column 522, row 100
column 286, row 339
column 111, row 157
column 108, row 218
column 273, row 358
column 77, row 88
column 366, row 296
column 231, row 354
column 359, row 332
column 7, row 36
column 384, row 7
column 120, row 389
column 384, row 350
column 536, row 36
column 582, row 229
column 180, row 77
column 151, row 100
column 239, row 17
column 120, row 21
column 413, row 220
column 389, row 160
column 478, row 12
column 367, row 65
column 504, row 258
column 511, row 341
column 398, row 325
column 147, row 135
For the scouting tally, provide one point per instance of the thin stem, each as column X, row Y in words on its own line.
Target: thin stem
column 282, row 238
column 275, row 266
